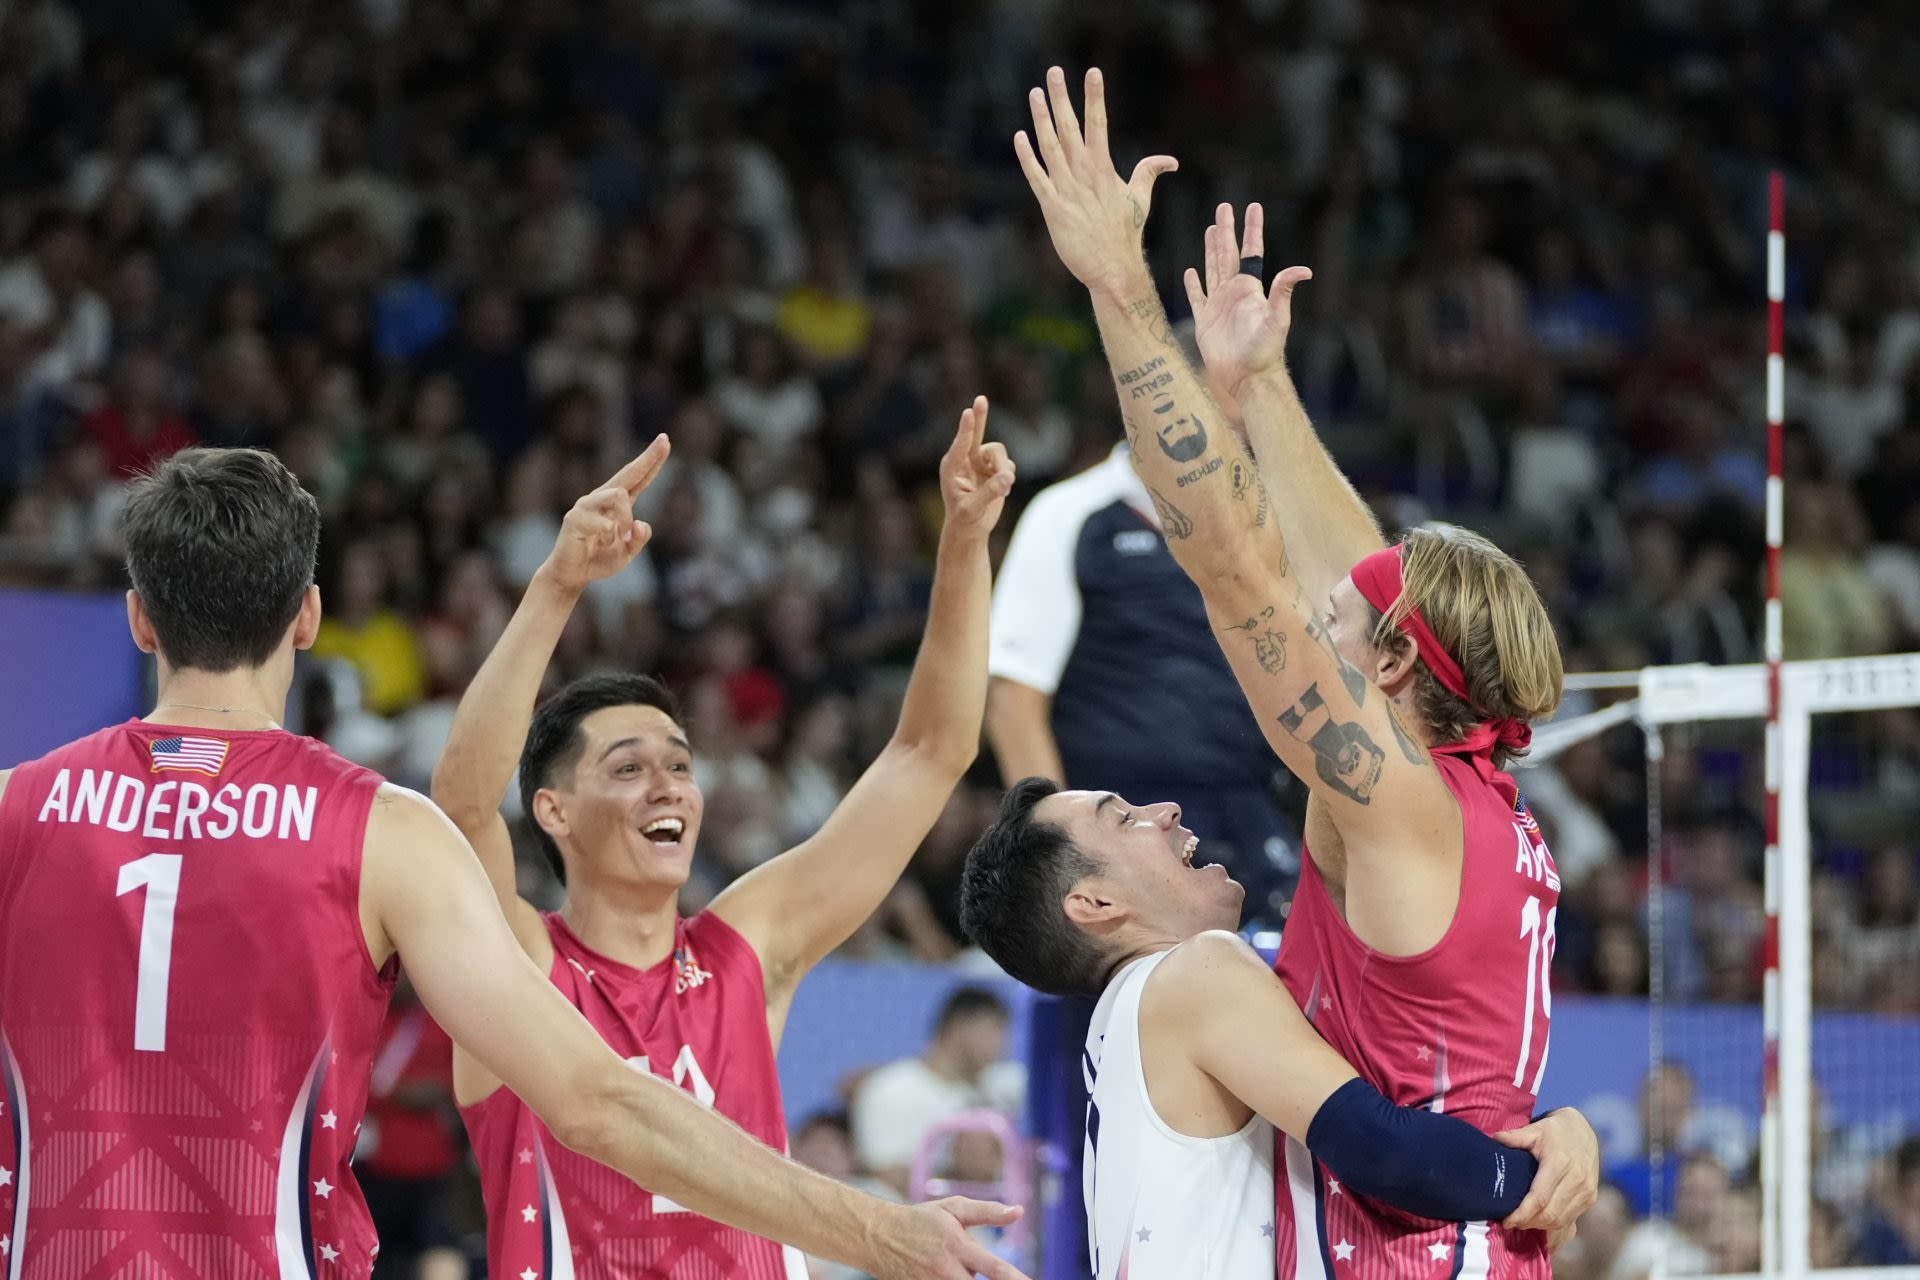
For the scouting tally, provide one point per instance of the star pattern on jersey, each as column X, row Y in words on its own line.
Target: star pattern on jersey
column 256, row 1126
column 323, row 1188
column 328, row 1119
column 6, row 1244
column 1326, row 1002
column 1333, row 1187
column 1144, row 1236
column 529, row 1274
column 529, row 1214
column 6, row 1177
column 1423, row 1053
column 1343, row 1252
column 1438, row 1251
column 1266, row 1229
column 329, row 1254
column 526, row 1156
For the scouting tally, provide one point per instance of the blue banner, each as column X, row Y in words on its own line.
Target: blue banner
column 67, row 668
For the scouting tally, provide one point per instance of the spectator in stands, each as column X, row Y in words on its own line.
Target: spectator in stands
column 1892, row 1237
column 963, row 1068
column 363, row 628
column 1603, row 1230
column 140, row 423
column 1684, row 1246
column 1666, row 1111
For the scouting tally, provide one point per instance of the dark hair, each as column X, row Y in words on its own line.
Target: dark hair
column 1906, row 1160
column 969, row 1002
column 220, row 546
column 554, row 741
column 1012, row 894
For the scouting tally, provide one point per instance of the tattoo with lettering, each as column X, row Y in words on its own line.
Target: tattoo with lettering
column 1408, row 747
column 1269, row 646
column 1246, row 479
column 1150, row 310
column 1200, row 472
column 1350, row 675
column 1344, row 755
column 1172, row 519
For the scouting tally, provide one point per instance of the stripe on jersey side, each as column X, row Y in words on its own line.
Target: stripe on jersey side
column 23, row 1152
column 1441, row 1082
column 1459, row 1250
column 556, row 1247
column 1476, row 1255
column 292, row 1209
column 794, row 1262
column 1321, row 1238
column 1309, row 1258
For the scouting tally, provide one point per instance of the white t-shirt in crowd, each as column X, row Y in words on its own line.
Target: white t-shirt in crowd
column 897, row 1104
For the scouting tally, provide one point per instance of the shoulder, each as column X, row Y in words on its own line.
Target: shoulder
column 401, row 813
column 1204, row 961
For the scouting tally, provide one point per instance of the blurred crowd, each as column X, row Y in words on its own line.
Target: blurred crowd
column 455, row 261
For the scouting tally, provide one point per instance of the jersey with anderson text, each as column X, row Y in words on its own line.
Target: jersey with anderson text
column 188, row 1009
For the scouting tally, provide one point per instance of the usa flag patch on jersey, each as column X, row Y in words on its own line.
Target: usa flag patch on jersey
column 188, row 755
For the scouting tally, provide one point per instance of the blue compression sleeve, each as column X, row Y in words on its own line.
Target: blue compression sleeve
column 1421, row 1162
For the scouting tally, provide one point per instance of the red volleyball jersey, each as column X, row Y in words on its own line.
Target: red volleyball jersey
column 188, row 1008
column 698, row 1018
column 1460, row 1028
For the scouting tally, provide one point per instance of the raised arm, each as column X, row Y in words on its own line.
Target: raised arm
column 1217, row 1000
column 797, row 907
column 1314, row 708
column 423, row 896
column 1241, row 330
column 598, row 538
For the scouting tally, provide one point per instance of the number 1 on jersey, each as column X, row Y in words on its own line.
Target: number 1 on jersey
column 686, row 1075
column 159, row 873
column 1539, row 979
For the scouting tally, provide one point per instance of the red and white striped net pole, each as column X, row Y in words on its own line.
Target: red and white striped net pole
column 1770, row 1132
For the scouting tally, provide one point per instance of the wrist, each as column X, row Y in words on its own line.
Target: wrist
column 1125, row 285
column 551, row 584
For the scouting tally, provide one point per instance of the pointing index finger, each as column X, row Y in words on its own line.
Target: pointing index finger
column 639, row 473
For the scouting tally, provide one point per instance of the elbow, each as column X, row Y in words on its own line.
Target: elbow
column 593, row 1108
column 945, row 754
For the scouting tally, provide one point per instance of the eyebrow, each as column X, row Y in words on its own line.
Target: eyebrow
column 1106, row 798
column 673, row 740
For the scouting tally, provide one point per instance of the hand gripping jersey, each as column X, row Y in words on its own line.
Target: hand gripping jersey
column 1461, row 1028
column 1162, row 1205
column 699, row 1019
column 188, row 1009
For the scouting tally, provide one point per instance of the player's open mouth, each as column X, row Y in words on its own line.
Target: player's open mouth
column 665, row 831
column 1186, row 853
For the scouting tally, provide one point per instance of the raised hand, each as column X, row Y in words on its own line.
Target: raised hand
column 1240, row 327
column 599, row 536
column 975, row 477
column 930, row 1242
column 1094, row 217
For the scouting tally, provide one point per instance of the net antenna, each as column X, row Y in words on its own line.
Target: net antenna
column 1771, row 1180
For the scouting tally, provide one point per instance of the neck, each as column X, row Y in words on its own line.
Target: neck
column 633, row 925
column 248, row 698
column 946, row 1064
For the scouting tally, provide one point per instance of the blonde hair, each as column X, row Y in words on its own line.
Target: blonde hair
column 1482, row 607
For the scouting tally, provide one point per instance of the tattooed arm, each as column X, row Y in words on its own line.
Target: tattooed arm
column 1321, row 715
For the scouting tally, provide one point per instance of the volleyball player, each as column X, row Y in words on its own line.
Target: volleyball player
column 1394, row 681
column 606, row 773
column 201, row 919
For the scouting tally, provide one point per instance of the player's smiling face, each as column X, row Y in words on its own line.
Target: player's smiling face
column 633, row 812
column 1149, row 874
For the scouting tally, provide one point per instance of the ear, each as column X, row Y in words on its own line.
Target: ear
column 1394, row 663
column 144, row 638
column 306, row 623
column 1088, row 906
column 548, row 812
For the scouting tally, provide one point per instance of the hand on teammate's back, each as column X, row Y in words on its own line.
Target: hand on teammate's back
column 930, row 1242
column 1239, row 326
column 1568, row 1181
column 1094, row 218
column 975, row 477
column 599, row 536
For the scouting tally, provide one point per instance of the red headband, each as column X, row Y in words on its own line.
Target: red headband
column 1381, row 585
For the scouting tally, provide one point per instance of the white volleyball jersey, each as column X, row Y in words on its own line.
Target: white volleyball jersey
column 1160, row 1203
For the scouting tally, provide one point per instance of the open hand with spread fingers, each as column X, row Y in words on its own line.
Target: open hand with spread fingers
column 1094, row 217
column 975, row 477
column 599, row 536
column 1239, row 324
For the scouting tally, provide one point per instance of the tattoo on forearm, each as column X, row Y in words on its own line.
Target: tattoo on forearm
column 1182, row 436
column 1246, row 480
column 1350, row 675
column 1408, row 747
column 1269, row 646
column 1146, row 379
column 1172, row 519
column 1150, row 310
column 1344, row 755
